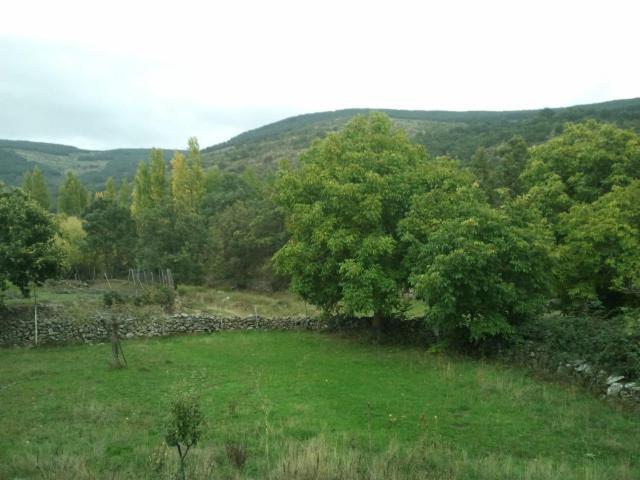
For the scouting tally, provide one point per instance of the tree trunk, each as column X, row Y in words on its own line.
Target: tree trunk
column 115, row 349
column 377, row 322
column 115, row 344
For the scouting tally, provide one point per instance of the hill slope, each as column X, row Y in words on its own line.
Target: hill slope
column 93, row 166
column 457, row 134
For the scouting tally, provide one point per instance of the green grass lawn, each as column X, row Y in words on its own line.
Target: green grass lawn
column 301, row 405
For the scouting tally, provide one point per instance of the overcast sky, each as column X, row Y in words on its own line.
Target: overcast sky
column 138, row 74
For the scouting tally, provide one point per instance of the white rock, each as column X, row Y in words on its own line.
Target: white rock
column 614, row 379
column 614, row 389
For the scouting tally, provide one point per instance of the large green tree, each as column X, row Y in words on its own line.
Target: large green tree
column 28, row 253
column 343, row 206
column 584, row 182
column 480, row 270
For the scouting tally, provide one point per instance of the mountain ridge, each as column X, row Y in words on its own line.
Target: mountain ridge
column 442, row 132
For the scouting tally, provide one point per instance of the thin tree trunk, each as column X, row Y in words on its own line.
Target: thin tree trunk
column 35, row 312
column 378, row 322
column 115, row 344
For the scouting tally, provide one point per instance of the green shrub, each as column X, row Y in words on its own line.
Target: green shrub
column 156, row 295
column 111, row 298
column 611, row 344
column 185, row 427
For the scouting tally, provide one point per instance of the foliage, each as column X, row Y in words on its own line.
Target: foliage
column 599, row 257
column 112, row 298
column 588, row 158
column 27, row 241
column 110, row 236
column 223, row 189
column 244, row 237
column 185, row 427
column 152, row 294
column 124, row 193
column 498, row 169
column 480, row 270
column 110, row 191
column 141, row 194
column 187, row 179
column 343, row 207
column 34, row 185
column 166, row 236
column 585, row 182
column 71, row 241
column 156, row 295
column 610, row 343
column 73, row 197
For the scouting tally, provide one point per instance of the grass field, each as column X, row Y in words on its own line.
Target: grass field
column 300, row 405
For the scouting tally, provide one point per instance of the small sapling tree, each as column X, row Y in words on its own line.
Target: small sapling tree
column 112, row 300
column 184, row 428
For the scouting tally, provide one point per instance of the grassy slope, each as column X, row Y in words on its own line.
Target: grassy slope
column 303, row 405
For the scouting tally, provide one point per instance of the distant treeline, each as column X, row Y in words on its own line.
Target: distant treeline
column 203, row 226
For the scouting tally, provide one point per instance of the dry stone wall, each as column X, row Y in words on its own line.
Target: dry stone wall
column 18, row 328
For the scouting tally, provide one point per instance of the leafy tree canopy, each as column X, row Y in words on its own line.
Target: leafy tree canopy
column 586, row 161
column 110, row 235
column 599, row 257
column 71, row 240
column 344, row 204
column 27, row 249
column 479, row 269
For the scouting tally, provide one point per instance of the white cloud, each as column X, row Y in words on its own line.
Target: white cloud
column 154, row 73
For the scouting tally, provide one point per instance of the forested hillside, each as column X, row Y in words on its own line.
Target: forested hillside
column 92, row 166
column 456, row 134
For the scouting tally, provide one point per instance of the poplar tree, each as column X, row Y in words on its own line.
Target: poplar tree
column 187, row 179
column 187, row 193
column 158, row 188
column 110, row 191
column 34, row 185
column 124, row 193
column 73, row 197
column 141, row 189
column 153, row 214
